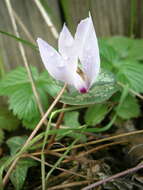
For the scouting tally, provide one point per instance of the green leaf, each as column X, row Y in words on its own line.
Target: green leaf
column 102, row 90
column 95, row 114
column 1, row 136
column 23, row 103
column 131, row 72
column 107, row 52
column 136, row 50
column 129, row 108
column 15, row 143
column 127, row 47
column 121, row 55
column 17, row 87
column 15, row 80
column 71, row 119
column 108, row 55
column 31, row 124
column 7, row 120
column 19, row 39
column 50, row 85
column 19, row 173
column 121, row 45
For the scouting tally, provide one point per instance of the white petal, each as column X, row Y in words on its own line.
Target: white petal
column 88, row 47
column 54, row 63
column 67, row 47
column 79, row 84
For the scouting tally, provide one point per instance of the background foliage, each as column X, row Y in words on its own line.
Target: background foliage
column 114, row 100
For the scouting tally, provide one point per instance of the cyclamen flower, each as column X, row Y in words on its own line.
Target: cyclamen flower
column 82, row 50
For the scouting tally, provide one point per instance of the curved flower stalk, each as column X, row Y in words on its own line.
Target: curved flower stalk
column 83, row 49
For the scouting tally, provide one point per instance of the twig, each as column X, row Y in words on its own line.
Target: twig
column 58, row 123
column 5, row 180
column 47, row 19
column 138, row 167
column 47, row 152
column 9, row 7
column 61, row 169
column 34, row 133
column 83, row 154
column 101, row 140
column 19, row 21
column 63, row 186
column 60, row 160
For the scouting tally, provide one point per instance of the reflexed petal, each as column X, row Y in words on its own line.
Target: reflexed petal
column 67, row 47
column 88, row 47
column 56, row 66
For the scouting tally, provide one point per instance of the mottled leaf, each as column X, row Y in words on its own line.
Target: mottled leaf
column 102, row 90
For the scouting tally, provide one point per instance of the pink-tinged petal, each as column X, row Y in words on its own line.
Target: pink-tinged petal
column 67, row 47
column 54, row 63
column 83, row 90
column 87, row 44
column 80, row 84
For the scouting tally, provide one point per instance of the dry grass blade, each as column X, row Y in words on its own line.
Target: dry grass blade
column 83, row 154
column 47, row 19
column 19, row 21
column 5, row 180
column 80, row 183
column 101, row 140
column 10, row 10
column 61, row 169
column 48, row 152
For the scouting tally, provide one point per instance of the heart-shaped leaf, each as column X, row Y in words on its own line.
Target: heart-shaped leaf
column 102, row 90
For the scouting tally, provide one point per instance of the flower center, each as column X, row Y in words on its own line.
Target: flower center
column 83, row 90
